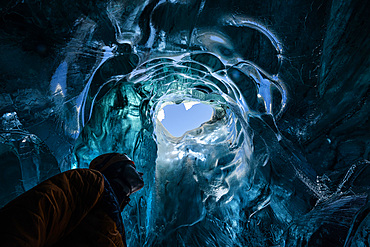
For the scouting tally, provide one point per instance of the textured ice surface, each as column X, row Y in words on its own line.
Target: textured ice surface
column 24, row 159
column 282, row 162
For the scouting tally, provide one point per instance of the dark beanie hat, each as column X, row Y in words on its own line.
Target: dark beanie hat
column 102, row 162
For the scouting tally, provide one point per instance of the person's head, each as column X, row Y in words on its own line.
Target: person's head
column 121, row 173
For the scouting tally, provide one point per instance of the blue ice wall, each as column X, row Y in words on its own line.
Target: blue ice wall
column 282, row 162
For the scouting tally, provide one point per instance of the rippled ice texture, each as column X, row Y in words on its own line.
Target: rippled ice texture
column 283, row 160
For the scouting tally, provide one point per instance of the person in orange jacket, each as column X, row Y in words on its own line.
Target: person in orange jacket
column 80, row 207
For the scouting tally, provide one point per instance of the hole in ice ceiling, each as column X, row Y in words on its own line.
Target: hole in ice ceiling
column 180, row 118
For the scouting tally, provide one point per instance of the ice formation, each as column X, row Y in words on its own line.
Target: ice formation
column 278, row 164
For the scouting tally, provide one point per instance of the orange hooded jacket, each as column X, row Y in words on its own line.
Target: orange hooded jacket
column 74, row 208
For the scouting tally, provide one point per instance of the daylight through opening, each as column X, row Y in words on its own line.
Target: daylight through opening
column 177, row 119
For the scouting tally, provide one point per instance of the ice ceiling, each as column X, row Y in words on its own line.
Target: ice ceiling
column 283, row 161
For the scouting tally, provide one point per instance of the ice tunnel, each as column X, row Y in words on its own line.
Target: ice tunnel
column 279, row 154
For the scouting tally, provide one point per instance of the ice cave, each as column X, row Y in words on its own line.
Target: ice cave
column 279, row 153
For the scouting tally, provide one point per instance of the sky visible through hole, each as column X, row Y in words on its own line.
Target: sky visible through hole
column 178, row 119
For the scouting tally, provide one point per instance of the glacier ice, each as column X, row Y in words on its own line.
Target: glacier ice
column 25, row 159
column 282, row 162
